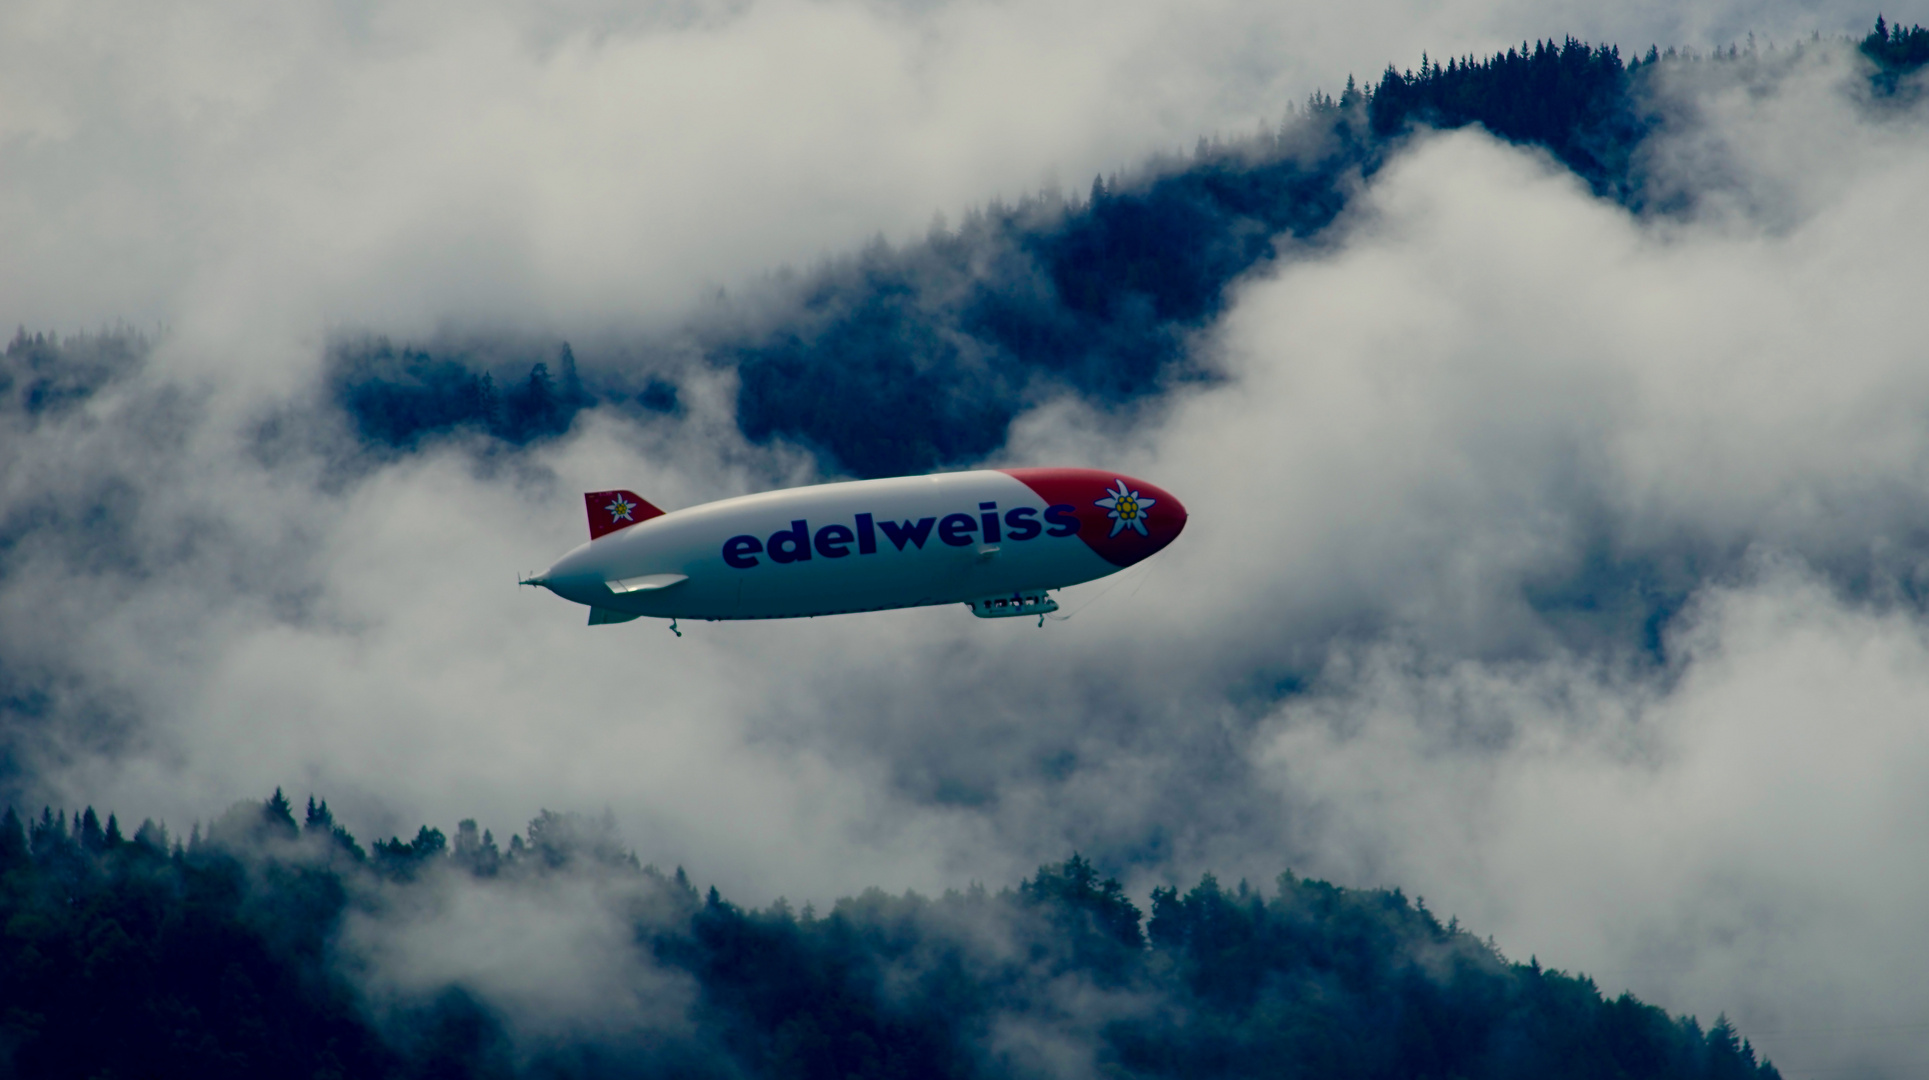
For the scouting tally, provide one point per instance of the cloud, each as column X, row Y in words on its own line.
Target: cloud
column 235, row 175
column 1463, row 458
column 1736, row 839
column 557, row 956
column 1472, row 455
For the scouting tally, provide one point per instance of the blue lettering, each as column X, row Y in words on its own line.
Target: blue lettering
column 796, row 543
column 1063, row 519
column 917, row 534
column 741, row 551
column 1023, row 523
column 990, row 520
column 792, row 544
column 834, row 541
column 956, row 529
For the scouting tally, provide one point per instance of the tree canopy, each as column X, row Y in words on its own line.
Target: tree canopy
column 219, row 956
column 897, row 360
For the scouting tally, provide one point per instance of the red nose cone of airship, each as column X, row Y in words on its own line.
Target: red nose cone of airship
column 1122, row 518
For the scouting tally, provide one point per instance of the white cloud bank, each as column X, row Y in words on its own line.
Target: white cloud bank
column 1498, row 384
column 1492, row 391
column 234, row 173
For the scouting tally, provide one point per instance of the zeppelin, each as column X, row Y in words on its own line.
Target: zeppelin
column 996, row 540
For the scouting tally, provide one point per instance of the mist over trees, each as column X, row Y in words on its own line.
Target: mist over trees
column 223, row 955
column 898, row 360
column 1896, row 53
column 1580, row 103
column 42, row 375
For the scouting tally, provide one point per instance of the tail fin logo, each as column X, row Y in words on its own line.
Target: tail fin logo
column 610, row 511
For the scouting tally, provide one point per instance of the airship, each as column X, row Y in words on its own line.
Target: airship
column 998, row 541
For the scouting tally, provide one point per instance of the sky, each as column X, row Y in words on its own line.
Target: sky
column 1456, row 451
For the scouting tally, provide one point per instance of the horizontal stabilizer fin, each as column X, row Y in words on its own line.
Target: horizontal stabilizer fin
column 646, row 583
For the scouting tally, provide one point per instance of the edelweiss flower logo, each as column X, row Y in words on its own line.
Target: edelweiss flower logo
column 1125, row 508
column 620, row 509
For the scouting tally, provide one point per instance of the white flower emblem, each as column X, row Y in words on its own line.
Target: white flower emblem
column 620, row 509
column 1126, row 509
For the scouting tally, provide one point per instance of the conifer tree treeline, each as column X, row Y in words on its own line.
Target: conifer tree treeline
column 1570, row 98
column 41, row 374
column 1897, row 53
column 217, row 957
column 400, row 396
column 899, row 360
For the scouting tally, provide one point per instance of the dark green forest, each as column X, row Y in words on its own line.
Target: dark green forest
column 899, row 360
column 220, row 956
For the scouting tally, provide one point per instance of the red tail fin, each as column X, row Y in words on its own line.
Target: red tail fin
column 613, row 510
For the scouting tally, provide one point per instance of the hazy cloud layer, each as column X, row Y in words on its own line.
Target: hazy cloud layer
column 234, row 173
column 1476, row 447
column 559, row 957
column 1470, row 459
column 1739, row 841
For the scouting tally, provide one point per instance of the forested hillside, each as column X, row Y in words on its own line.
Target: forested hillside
column 897, row 360
column 223, row 956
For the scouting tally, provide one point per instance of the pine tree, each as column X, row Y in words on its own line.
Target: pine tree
column 318, row 818
column 13, row 842
column 151, row 835
column 279, row 813
column 573, row 395
column 91, row 838
column 475, row 851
